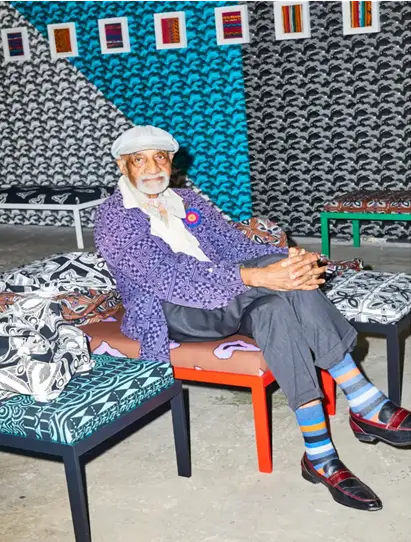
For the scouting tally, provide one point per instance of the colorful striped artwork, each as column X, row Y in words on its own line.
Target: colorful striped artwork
column 170, row 30
column 361, row 14
column 292, row 18
column 15, row 43
column 62, row 40
column 114, row 35
column 232, row 25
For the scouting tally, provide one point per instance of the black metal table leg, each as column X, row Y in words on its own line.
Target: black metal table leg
column 394, row 364
column 181, row 440
column 77, row 495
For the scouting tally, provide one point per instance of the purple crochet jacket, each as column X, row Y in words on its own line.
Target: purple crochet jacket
column 148, row 272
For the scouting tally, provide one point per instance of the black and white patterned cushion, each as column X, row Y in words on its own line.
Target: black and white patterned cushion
column 369, row 296
column 67, row 272
column 50, row 195
column 39, row 350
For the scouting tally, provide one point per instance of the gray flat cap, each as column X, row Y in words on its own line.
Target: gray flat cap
column 143, row 138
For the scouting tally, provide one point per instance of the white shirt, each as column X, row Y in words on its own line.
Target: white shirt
column 174, row 233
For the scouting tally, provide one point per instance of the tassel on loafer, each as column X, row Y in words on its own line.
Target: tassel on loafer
column 344, row 486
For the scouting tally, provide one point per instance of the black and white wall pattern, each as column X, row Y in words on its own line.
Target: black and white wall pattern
column 327, row 114
column 56, row 127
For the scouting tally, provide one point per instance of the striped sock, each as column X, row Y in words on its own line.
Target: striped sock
column 363, row 397
column 318, row 445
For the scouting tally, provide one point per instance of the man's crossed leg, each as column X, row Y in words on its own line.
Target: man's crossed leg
column 298, row 332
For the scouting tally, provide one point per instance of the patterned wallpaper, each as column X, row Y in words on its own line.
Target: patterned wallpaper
column 324, row 115
column 59, row 127
column 327, row 114
column 56, row 128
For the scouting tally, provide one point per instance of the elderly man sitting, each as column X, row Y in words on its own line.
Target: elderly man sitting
column 185, row 274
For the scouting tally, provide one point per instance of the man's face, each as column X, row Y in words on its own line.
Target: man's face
column 148, row 171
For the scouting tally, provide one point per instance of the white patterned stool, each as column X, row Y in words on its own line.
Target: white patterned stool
column 379, row 303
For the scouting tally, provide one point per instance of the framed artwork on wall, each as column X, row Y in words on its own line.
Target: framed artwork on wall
column 170, row 29
column 62, row 40
column 114, row 37
column 231, row 25
column 360, row 17
column 15, row 44
column 292, row 19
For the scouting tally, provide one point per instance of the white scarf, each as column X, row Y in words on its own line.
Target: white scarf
column 167, row 202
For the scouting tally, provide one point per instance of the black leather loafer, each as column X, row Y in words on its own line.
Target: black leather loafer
column 393, row 427
column 343, row 485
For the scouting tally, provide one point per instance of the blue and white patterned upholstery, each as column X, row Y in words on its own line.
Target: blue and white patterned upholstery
column 115, row 386
column 369, row 296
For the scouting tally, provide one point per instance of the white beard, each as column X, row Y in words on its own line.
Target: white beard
column 151, row 188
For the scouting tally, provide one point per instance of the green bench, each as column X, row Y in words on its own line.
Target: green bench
column 381, row 205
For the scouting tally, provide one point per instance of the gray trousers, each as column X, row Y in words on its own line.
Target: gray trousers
column 297, row 331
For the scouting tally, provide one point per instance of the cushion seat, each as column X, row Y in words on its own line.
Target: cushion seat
column 375, row 201
column 51, row 195
column 369, row 296
column 236, row 354
column 115, row 386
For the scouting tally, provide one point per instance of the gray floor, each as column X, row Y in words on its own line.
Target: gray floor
column 136, row 496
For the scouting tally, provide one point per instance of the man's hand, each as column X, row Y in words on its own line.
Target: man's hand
column 300, row 271
column 296, row 251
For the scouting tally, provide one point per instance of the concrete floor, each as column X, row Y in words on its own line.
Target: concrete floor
column 136, row 496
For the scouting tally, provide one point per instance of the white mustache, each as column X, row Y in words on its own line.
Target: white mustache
column 160, row 177
column 159, row 183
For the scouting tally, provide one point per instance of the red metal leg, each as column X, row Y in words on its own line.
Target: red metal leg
column 330, row 399
column 262, row 426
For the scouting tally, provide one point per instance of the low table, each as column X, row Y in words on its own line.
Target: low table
column 364, row 205
column 89, row 412
column 50, row 198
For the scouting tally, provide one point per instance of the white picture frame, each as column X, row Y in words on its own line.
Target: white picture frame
column 54, row 46
column 241, row 17
column 10, row 52
column 108, row 47
column 284, row 22
column 360, row 17
column 166, row 42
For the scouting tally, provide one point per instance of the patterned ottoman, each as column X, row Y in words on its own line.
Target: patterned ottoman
column 43, row 195
column 370, row 296
column 91, row 409
column 377, row 303
column 364, row 205
column 51, row 198
column 115, row 386
column 372, row 201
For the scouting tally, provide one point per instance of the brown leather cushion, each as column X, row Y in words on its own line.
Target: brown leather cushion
column 235, row 354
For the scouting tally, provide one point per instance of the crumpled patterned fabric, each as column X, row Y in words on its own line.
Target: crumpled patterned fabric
column 70, row 272
column 261, row 230
column 77, row 308
column 39, row 350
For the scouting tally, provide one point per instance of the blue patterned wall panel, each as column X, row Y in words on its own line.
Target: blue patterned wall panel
column 197, row 93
